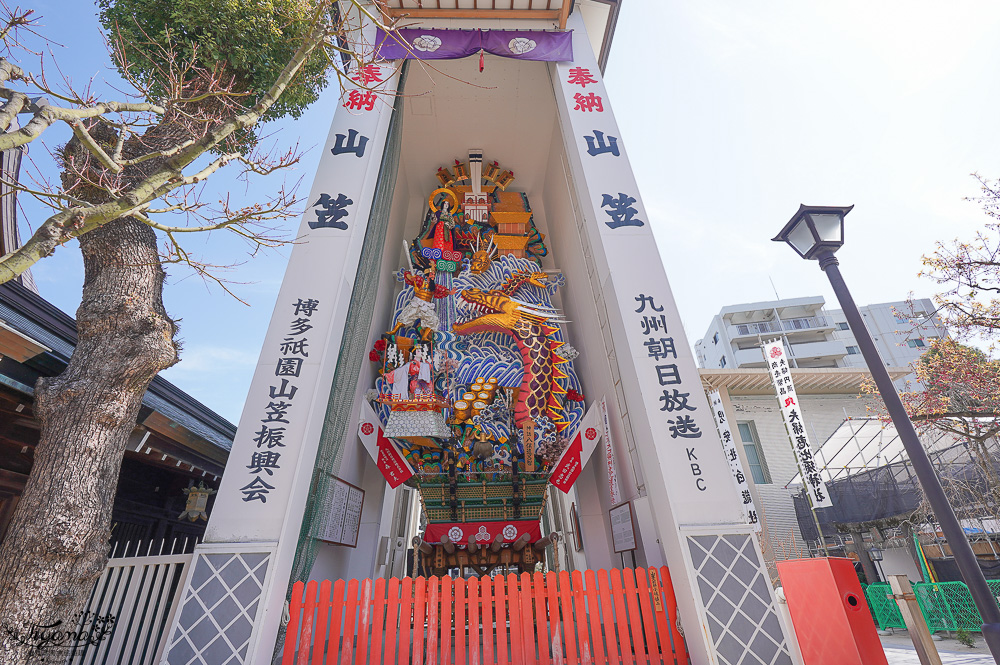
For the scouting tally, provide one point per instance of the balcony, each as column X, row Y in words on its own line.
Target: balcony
column 778, row 326
column 830, row 349
column 750, row 357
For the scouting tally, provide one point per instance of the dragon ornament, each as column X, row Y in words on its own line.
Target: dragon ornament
column 475, row 386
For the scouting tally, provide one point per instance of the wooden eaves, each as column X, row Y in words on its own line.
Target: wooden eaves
column 481, row 9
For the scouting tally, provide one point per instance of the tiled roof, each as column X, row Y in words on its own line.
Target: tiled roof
column 35, row 317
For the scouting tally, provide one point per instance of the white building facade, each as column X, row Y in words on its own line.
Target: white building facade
column 828, row 397
column 817, row 337
column 902, row 332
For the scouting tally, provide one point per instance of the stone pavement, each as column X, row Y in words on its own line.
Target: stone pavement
column 899, row 651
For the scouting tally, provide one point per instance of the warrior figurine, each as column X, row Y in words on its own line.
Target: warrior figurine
column 421, row 307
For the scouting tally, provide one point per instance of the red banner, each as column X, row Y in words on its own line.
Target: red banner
column 391, row 462
column 387, row 455
column 570, row 463
column 569, row 466
column 484, row 532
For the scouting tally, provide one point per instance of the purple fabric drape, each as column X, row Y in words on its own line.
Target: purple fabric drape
column 442, row 44
column 529, row 44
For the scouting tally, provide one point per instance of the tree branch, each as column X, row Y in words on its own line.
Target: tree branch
column 76, row 221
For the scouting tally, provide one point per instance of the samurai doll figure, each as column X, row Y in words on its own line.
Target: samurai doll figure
column 421, row 307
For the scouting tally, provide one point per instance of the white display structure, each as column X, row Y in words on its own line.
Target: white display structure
column 692, row 512
column 714, row 557
column 250, row 542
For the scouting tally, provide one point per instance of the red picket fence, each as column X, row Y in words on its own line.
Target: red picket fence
column 605, row 618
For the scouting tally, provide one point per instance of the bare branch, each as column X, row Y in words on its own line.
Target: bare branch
column 131, row 198
column 9, row 111
column 49, row 114
column 8, row 71
column 94, row 147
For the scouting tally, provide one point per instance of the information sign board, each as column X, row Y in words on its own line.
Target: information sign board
column 623, row 527
column 343, row 517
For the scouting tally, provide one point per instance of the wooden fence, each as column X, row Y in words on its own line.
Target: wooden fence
column 602, row 617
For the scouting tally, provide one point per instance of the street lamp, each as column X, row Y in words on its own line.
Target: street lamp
column 816, row 232
column 876, row 555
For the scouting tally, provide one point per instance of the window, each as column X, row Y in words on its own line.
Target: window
column 715, row 338
column 755, row 456
column 853, row 350
column 722, row 363
column 843, row 325
column 914, row 343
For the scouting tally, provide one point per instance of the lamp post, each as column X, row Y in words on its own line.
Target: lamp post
column 817, row 232
column 876, row 555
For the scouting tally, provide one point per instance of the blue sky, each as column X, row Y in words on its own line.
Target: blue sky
column 733, row 113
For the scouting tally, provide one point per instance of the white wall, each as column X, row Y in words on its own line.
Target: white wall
column 891, row 334
column 709, row 352
column 822, row 415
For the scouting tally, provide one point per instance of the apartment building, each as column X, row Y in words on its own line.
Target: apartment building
column 816, row 337
column 902, row 332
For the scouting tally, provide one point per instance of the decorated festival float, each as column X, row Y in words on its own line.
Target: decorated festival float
column 476, row 402
column 418, row 347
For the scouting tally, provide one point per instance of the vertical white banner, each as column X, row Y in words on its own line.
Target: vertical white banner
column 669, row 396
column 275, row 445
column 781, row 377
column 735, row 463
column 609, row 456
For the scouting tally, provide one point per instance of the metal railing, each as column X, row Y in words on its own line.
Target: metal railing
column 945, row 605
column 781, row 325
column 129, row 610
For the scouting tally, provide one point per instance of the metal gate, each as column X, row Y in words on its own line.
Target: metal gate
column 139, row 596
column 602, row 617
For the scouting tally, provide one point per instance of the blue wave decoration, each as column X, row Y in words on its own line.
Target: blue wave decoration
column 490, row 354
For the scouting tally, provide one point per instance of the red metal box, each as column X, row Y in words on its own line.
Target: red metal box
column 829, row 612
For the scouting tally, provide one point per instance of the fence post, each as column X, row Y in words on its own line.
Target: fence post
column 916, row 626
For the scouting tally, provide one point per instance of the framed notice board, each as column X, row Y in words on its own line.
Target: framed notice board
column 623, row 527
column 343, row 513
column 574, row 518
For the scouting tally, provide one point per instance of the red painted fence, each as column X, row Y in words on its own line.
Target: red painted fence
column 602, row 617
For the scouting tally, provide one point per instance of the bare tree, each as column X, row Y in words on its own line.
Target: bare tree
column 131, row 171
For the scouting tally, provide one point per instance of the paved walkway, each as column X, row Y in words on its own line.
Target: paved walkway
column 897, row 656
column 899, row 651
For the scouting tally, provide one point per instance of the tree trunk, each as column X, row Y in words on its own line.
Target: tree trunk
column 57, row 544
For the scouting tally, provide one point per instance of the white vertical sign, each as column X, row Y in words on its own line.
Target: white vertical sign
column 609, row 456
column 735, row 463
column 276, row 442
column 669, row 401
column 781, row 377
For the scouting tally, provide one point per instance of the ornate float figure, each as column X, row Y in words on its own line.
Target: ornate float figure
column 444, row 219
column 421, row 307
column 443, row 227
column 481, row 439
column 483, row 256
column 530, row 326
